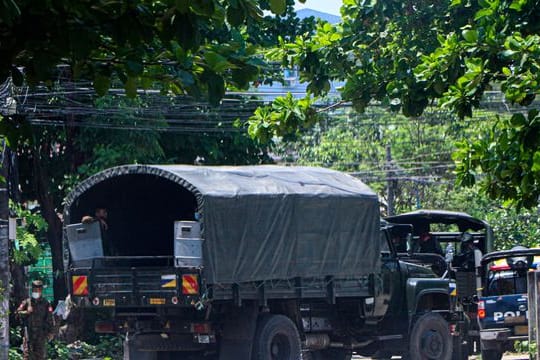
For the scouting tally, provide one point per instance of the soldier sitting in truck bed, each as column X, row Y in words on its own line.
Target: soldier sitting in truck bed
column 428, row 244
column 101, row 215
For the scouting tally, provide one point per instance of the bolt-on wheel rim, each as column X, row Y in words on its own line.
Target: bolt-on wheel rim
column 432, row 344
column 280, row 347
column 430, row 338
column 276, row 338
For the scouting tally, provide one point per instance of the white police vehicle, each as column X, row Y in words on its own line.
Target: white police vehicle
column 503, row 308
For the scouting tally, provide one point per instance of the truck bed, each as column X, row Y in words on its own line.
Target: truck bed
column 129, row 285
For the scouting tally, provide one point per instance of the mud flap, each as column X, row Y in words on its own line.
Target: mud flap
column 131, row 353
column 238, row 332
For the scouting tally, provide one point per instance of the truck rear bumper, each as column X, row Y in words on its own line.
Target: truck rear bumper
column 171, row 342
column 495, row 334
column 499, row 339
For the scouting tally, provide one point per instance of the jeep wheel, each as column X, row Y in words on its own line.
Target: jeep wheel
column 430, row 339
column 491, row 355
column 276, row 338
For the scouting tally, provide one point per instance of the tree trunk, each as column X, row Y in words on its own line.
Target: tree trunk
column 54, row 230
column 18, row 280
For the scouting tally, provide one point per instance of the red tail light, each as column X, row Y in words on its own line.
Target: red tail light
column 104, row 327
column 481, row 309
column 201, row 328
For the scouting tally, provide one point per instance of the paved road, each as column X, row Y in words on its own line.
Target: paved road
column 474, row 357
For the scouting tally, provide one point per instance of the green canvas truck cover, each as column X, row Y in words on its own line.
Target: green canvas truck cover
column 258, row 222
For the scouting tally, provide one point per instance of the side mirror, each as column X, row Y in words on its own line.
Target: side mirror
column 475, row 299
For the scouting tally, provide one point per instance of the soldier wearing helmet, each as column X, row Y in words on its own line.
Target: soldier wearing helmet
column 36, row 313
column 465, row 259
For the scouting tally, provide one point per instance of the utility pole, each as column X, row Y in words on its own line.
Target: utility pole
column 4, row 252
column 390, row 181
column 8, row 107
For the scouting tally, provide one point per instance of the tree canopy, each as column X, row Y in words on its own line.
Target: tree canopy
column 408, row 55
column 196, row 47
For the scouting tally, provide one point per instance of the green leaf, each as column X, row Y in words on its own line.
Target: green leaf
column 517, row 4
column 203, row 7
column 186, row 78
column 131, row 87
column 470, row 35
column 278, row 6
column 484, row 3
column 217, row 62
column 536, row 162
column 508, row 53
column 518, row 120
column 186, row 31
column 483, row 13
column 242, row 76
column 134, row 67
column 9, row 11
column 235, row 16
column 182, row 6
column 102, row 84
column 216, row 89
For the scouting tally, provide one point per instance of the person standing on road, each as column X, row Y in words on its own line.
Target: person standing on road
column 36, row 313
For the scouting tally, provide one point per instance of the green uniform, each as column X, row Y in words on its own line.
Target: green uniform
column 39, row 325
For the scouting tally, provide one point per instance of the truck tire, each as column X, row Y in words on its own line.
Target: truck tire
column 430, row 338
column 491, row 354
column 276, row 338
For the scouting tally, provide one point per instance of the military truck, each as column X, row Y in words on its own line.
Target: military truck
column 461, row 241
column 254, row 262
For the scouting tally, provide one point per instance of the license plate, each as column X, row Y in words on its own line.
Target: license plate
column 157, row 301
column 521, row 330
column 203, row 339
column 109, row 302
column 514, row 319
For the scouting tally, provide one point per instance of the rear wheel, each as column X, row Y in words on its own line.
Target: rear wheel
column 491, row 355
column 430, row 339
column 276, row 338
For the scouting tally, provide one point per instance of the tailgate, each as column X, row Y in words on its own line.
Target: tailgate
column 505, row 311
column 123, row 287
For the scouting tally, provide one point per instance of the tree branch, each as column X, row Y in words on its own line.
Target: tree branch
column 338, row 104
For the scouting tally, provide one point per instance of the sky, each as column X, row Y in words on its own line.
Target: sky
column 328, row 6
